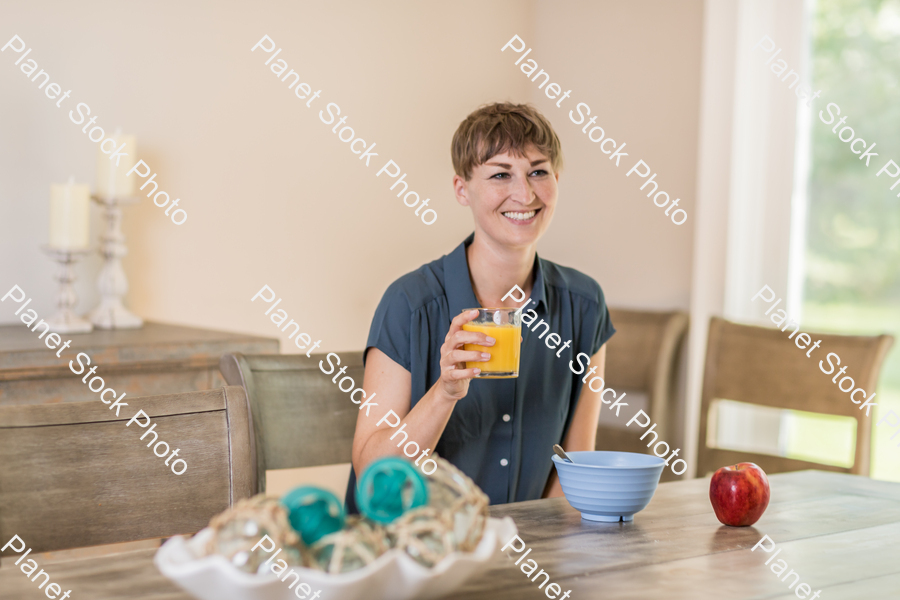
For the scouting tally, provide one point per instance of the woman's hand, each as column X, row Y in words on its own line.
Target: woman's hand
column 454, row 381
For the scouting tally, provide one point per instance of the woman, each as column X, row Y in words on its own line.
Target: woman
column 499, row 432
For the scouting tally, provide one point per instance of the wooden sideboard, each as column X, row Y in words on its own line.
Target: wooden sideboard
column 155, row 359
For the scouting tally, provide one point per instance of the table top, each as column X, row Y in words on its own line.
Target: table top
column 838, row 532
column 21, row 348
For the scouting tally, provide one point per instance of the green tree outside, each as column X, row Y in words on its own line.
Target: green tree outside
column 852, row 279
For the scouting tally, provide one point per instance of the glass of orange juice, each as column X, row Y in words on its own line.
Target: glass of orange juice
column 505, row 326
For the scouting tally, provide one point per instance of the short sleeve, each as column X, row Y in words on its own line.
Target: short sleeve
column 390, row 329
column 604, row 328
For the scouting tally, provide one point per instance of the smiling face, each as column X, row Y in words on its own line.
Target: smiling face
column 512, row 197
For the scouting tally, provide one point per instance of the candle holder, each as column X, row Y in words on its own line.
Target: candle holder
column 65, row 320
column 112, row 283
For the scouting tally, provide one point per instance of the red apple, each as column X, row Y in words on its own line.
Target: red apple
column 739, row 494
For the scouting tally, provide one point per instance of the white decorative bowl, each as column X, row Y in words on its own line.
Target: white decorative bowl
column 392, row 576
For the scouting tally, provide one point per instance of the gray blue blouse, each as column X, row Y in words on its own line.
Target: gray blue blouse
column 502, row 432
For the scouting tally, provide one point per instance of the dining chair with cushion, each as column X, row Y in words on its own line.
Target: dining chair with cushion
column 764, row 367
column 300, row 418
column 641, row 359
column 75, row 474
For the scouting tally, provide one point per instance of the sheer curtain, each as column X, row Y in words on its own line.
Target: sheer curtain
column 750, row 195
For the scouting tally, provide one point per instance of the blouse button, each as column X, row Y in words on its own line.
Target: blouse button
column 503, row 462
column 506, row 418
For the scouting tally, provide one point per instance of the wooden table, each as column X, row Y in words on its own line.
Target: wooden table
column 841, row 533
column 155, row 359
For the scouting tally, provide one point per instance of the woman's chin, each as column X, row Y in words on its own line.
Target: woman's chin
column 520, row 237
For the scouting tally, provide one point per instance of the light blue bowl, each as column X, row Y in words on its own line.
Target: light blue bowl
column 609, row 486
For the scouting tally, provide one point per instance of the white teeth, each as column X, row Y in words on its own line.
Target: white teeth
column 520, row 216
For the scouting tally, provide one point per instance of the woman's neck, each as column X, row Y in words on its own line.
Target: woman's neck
column 495, row 269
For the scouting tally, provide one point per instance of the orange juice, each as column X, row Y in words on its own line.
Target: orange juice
column 504, row 353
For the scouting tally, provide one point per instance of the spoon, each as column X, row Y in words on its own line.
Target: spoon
column 561, row 453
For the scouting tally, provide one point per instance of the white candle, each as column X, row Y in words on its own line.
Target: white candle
column 111, row 179
column 69, row 215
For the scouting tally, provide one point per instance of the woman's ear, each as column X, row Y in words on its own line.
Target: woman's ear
column 460, row 188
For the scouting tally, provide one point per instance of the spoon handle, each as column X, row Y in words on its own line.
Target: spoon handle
column 561, row 453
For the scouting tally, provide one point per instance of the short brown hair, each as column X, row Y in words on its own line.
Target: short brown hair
column 502, row 127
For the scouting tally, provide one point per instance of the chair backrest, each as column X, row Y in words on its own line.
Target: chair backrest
column 762, row 366
column 300, row 417
column 73, row 475
column 641, row 358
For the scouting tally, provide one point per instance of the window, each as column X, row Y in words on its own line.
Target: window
column 852, row 256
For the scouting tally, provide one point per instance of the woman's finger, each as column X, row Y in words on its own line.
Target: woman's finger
column 461, row 319
column 461, row 374
column 471, row 337
column 462, row 356
column 459, row 357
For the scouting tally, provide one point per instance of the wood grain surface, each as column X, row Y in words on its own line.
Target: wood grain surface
column 839, row 532
column 300, row 417
column 76, row 475
column 642, row 358
column 155, row 359
column 21, row 348
column 763, row 366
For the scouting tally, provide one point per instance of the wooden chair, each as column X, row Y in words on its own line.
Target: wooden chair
column 762, row 366
column 641, row 359
column 73, row 474
column 299, row 417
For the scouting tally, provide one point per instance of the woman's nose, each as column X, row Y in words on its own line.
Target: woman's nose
column 523, row 192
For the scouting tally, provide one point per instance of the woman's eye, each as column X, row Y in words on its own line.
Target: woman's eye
column 539, row 172
column 500, row 176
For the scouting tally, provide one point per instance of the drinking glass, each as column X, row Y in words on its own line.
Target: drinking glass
column 505, row 326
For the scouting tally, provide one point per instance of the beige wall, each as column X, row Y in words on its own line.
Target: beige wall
column 274, row 198
column 637, row 65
